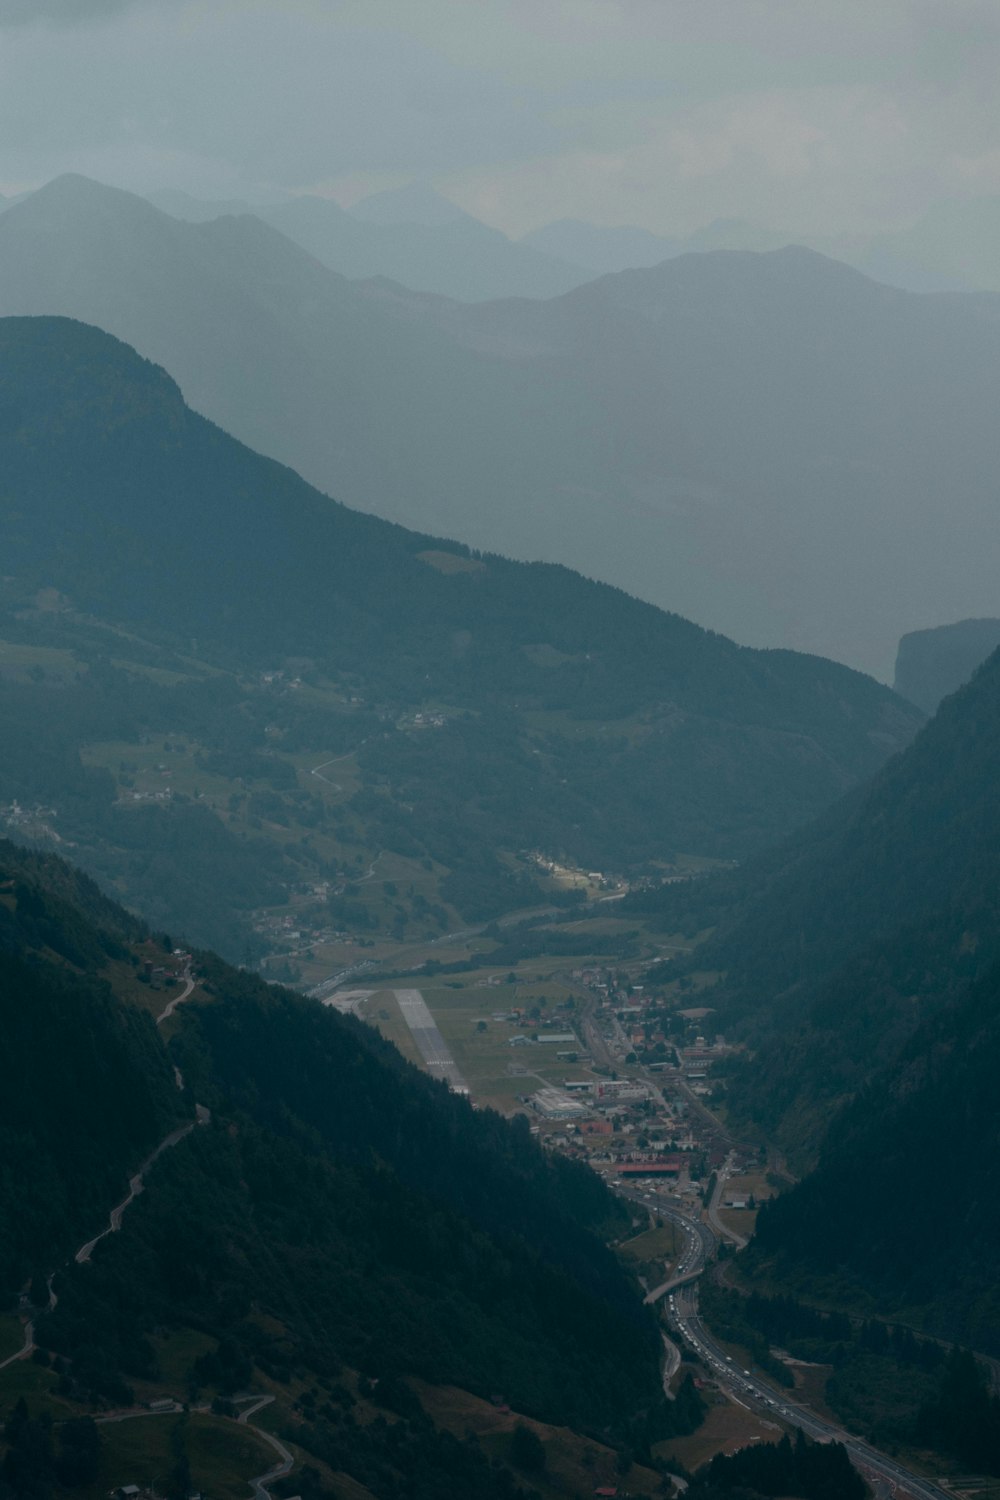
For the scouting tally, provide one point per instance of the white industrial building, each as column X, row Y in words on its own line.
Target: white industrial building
column 556, row 1104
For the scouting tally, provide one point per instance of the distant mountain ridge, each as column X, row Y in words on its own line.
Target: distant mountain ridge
column 951, row 248
column 607, row 249
column 603, row 249
column 414, row 203
column 823, row 421
column 410, row 235
column 453, row 256
column 930, row 664
column 743, row 438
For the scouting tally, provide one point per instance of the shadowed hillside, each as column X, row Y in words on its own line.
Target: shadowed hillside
column 186, row 589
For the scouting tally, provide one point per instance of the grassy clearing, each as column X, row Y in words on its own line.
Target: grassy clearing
column 482, row 1047
column 547, row 721
column 166, row 763
column 740, row 1221
column 726, row 1428
column 162, row 676
column 335, row 781
column 37, row 1385
column 19, row 662
column 125, row 982
column 653, row 1244
column 223, row 1455
column 604, row 925
column 574, row 1465
column 750, row 1185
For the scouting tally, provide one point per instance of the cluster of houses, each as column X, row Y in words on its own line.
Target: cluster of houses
column 33, row 822
column 636, row 1126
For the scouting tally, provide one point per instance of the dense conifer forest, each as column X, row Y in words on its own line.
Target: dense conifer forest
column 327, row 1218
column 859, row 962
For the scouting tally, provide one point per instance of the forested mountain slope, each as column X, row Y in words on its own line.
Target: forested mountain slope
column 871, row 918
column 902, row 1207
column 860, row 963
column 72, row 1053
column 554, row 713
column 333, row 1210
column 759, row 441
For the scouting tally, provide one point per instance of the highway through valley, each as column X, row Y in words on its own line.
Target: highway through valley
column 745, row 1387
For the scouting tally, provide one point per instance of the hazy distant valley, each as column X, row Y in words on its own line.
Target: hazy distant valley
column 499, row 995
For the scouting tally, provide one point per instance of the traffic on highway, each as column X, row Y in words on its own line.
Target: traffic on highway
column 745, row 1386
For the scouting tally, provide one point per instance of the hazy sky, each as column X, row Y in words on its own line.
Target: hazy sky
column 809, row 115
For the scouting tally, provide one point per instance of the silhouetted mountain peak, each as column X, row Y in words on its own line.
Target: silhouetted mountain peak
column 72, row 193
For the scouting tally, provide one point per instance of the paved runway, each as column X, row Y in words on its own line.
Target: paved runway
column 431, row 1044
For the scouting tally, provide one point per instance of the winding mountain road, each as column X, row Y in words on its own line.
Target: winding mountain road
column 185, row 994
column 137, row 1181
column 25, row 1349
column 82, row 1257
column 287, row 1459
column 135, row 1187
column 136, row 1184
column 317, row 771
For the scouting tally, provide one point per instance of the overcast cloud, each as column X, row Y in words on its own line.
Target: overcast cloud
column 66, row 12
column 819, row 117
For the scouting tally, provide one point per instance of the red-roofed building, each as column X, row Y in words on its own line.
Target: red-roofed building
column 660, row 1166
